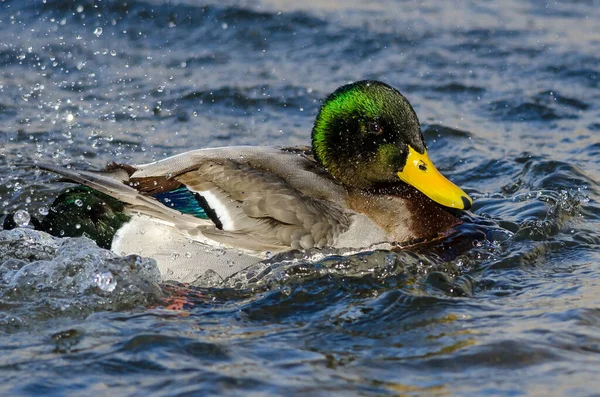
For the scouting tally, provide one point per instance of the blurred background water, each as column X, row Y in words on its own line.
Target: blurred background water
column 508, row 95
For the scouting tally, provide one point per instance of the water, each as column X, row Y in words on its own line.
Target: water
column 507, row 93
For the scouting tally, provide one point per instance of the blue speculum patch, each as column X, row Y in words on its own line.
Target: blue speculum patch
column 182, row 200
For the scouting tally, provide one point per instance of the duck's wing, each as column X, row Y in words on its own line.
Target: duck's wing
column 247, row 201
column 257, row 197
column 250, row 198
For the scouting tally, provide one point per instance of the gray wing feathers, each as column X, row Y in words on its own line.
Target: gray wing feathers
column 266, row 207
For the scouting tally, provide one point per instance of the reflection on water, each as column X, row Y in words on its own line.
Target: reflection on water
column 505, row 305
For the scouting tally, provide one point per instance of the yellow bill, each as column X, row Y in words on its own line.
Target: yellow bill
column 420, row 172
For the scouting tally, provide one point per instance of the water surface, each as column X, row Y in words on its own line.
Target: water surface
column 508, row 95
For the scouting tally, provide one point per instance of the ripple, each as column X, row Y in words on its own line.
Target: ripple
column 459, row 88
column 440, row 131
column 549, row 174
column 504, row 354
column 545, row 106
column 257, row 97
column 583, row 76
column 527, row 111
column 594, row 127
column 552, row 96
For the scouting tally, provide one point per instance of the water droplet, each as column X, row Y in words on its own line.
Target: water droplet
column 105, row 281
column 98, row 32
column 78, row 202
column 286, row 290
column 390, row 259
column 113, row 53
column 188, row 254
column 22, row 218
column 77, row 226
column 43, row 211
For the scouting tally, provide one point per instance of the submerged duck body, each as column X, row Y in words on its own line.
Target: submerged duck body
column 366, row 183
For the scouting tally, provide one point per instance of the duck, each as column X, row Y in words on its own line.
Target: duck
column 365, row 183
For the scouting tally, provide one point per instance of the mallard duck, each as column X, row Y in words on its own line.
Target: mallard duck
column 366, row 183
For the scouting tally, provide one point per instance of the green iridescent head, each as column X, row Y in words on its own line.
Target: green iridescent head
column 362, row 134
column 367, row 135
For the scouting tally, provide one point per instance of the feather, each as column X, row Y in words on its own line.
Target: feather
column 185, row 201
column 126, row 194
column 263, row 205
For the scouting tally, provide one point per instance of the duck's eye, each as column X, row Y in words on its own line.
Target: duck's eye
column 374, row 128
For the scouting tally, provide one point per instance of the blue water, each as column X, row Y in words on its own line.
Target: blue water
column 507, row 93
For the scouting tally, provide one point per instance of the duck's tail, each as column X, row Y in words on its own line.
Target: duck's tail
column 79, row 211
